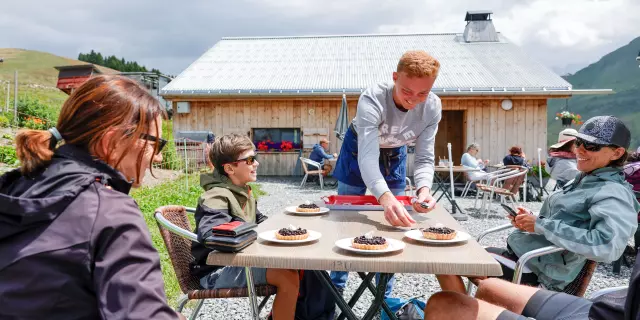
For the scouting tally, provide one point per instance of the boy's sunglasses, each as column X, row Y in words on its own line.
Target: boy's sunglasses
column 248, row 160
column 592, row 147
column 161, row 142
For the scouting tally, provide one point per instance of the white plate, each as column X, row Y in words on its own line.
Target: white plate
column 461, row 236
column 394, row 245
column 292, row 209
column 271, row 236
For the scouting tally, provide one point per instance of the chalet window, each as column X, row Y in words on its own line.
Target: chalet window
column 277, row 139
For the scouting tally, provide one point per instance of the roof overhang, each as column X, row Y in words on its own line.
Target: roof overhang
column 559, row 92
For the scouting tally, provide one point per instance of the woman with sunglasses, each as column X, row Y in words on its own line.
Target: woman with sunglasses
column 74, row 244
column 593, row 216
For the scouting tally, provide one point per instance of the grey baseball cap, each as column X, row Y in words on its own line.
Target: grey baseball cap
column 605, row 130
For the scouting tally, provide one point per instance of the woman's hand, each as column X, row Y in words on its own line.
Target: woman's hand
column 525, row 220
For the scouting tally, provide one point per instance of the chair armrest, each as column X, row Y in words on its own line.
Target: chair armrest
column 315, row 164
column 606, row 291
column 494, row 230
column 190, row 209
column 175, row 229
column 522, row 261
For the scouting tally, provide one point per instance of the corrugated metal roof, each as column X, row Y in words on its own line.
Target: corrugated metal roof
column 351, row 63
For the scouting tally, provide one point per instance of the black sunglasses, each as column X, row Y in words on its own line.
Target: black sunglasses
column 161, row 142
column 592, row 147
column 248, row 160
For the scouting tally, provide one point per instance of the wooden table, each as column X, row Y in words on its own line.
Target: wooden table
column 441, row 184
column 462, row 259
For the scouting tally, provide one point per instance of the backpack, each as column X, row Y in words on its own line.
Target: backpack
column 412, row 309
column 315, row 302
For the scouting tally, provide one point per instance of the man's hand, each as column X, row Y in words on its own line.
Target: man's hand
column 424, row 195
column 394, row 211
column 335, row 155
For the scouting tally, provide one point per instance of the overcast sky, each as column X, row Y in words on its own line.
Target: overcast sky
column 169, row 35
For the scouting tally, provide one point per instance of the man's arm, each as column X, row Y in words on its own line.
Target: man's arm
column 324, row 154
column 368, row 119
column 424, row 156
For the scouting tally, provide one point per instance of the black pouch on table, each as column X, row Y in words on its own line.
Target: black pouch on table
column 230, row 244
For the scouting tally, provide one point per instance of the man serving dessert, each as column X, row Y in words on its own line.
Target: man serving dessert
column 373, row 155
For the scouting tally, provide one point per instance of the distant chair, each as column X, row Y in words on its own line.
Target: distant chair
column 307, row 172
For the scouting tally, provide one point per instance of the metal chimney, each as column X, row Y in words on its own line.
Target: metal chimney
column 480, row 27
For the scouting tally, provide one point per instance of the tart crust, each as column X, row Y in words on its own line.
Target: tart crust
column 438, row 236
column 363, row 246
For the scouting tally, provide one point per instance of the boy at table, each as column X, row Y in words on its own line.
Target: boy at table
column 390, row 116
column 227, row 198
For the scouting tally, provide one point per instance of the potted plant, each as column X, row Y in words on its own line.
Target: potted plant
column 567, row 118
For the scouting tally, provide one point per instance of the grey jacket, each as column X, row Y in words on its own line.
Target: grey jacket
column 592, row 217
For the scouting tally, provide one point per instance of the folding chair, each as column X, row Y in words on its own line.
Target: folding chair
column 307, row 172
column 577, row 287
column 511, row 182
column 175, row 230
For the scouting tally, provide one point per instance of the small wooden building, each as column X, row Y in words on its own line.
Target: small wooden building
column 290, row 89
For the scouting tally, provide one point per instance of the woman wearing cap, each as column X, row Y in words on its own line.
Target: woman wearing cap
column 562, row 159
column 592, row 217
column 74, row 244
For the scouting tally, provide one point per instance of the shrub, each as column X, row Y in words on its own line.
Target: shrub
column 30, row 109
column 8, row 155
column 4, row 122
column 170, row 158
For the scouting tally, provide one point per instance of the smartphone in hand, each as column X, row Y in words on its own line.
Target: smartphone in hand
column 510, row 210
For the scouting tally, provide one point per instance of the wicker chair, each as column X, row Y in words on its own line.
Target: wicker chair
column 175, row 230
column 577, row 287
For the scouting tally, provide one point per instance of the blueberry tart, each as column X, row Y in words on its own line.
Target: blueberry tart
column 438, row 232
column 369, row 242
column 292, row 233
column 308, row 207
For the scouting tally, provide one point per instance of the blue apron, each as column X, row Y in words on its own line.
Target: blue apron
column 392, row 161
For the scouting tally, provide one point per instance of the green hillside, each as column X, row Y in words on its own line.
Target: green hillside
column 617, row 70
column 36, row 75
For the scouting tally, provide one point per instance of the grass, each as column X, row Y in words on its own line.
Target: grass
column 172, row 192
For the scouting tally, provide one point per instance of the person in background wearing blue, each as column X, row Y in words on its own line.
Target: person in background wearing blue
column 516, row 157
column 318, row 154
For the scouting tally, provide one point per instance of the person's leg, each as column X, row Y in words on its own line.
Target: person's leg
column 456, row 306
column 288, row 284
column 508, row 295
column 450, row 282
column 339, row 278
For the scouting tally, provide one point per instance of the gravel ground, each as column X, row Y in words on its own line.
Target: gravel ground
column 285, row 191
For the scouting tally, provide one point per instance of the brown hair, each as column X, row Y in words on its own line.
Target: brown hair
column 620, row 161
column 515, row 150
column 101, row 105
column 227, row 149
column 419, row 64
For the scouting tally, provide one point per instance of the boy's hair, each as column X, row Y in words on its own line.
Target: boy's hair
column 419, row 64
column 227, row 149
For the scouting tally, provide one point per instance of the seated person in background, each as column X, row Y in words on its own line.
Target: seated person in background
column 592, row 218
column 469, row 160
column 515, row 157
column 318, row 154
column 562, row 159
column 501, row 300
column 227, row 198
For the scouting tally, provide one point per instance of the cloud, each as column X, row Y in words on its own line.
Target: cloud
column 170, row 35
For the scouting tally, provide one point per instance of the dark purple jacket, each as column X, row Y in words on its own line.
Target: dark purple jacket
column 74, row 245
column 622, row 304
